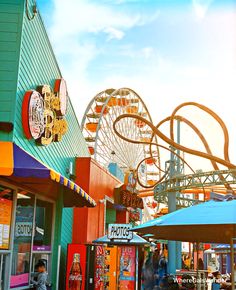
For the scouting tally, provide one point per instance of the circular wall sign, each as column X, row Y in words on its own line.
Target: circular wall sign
column 60, row 89
column 33, row 115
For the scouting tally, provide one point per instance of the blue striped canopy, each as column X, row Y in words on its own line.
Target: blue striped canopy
column 24, row 168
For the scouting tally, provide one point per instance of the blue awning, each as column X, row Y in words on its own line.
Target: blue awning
column 209, row 222
column 21, row 167
column 135, row 241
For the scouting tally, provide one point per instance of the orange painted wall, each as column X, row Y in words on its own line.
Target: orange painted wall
column 98, row 183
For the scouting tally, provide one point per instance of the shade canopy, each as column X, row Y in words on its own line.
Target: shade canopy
column 21, row 168
column 209, row 222
column 148, row 236
column 135, row 241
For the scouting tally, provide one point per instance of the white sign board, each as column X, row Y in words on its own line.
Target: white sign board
column 120, row 232
column 23, row 229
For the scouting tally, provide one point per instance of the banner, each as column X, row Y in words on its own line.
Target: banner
column 99, row 268
column 127, row 267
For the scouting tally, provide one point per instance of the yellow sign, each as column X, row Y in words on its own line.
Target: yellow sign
column 5, row 222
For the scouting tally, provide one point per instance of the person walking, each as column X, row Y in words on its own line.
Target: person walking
column 147, row 277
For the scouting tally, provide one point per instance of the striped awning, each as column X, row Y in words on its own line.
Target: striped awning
column 18, row 165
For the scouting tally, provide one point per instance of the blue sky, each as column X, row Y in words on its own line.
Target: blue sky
column 169, row 51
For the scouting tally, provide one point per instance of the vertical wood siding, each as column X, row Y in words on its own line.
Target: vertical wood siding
column 66, row 238
column 10, row 33
column 38, row 66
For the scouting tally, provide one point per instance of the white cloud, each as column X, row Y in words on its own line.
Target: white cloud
column 73, row 17
column 74, row 30
column 114, row 33
column 162, row 83
column 201, row 7
column 147, row 52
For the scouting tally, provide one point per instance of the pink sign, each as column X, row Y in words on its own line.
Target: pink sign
column 19, row 280
column 127, row 268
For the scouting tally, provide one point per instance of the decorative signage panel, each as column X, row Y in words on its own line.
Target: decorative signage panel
column 129, row 199
column 120, row 232
column 43, row 111
column 127, row 194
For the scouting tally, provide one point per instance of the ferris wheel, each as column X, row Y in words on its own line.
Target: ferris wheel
column 105, row 146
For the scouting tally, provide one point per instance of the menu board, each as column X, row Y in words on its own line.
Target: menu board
column 5, row 222
column 127, row 267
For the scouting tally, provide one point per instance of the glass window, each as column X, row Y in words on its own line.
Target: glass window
column 22, row 239
column 43, row 235
column 33, row 223
column 43, row 226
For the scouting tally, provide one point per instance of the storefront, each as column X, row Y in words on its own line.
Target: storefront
column 116, row 201
column 39, row 140
column 26, row 234
column 119, row 251
column 88, row 223
column 31, row 201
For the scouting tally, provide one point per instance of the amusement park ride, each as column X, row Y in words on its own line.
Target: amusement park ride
column 106, row 147
column 118, row 128
column 102, row 141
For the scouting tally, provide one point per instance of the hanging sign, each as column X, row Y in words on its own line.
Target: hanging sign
column 43, row 112
column 120, row 232
column 129, row 199
column 127, row 195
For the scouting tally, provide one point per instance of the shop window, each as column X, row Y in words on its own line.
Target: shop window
column 43, row 226
column 22, row 239
column 32, row 237
column 43, row 235
column 46, row 258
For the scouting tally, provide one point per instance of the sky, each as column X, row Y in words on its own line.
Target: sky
column 168, row 51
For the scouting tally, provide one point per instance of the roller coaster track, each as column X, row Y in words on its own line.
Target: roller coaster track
column 177, row 183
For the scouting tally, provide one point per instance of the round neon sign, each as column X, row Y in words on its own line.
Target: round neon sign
column 33, row 115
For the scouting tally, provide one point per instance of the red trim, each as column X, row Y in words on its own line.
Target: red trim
column 25, row 114
column 57, row 85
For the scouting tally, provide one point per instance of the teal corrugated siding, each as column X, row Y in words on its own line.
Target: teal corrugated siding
column 66, row 238
column 11, row 12
column 38, row 66
column 26, row 61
